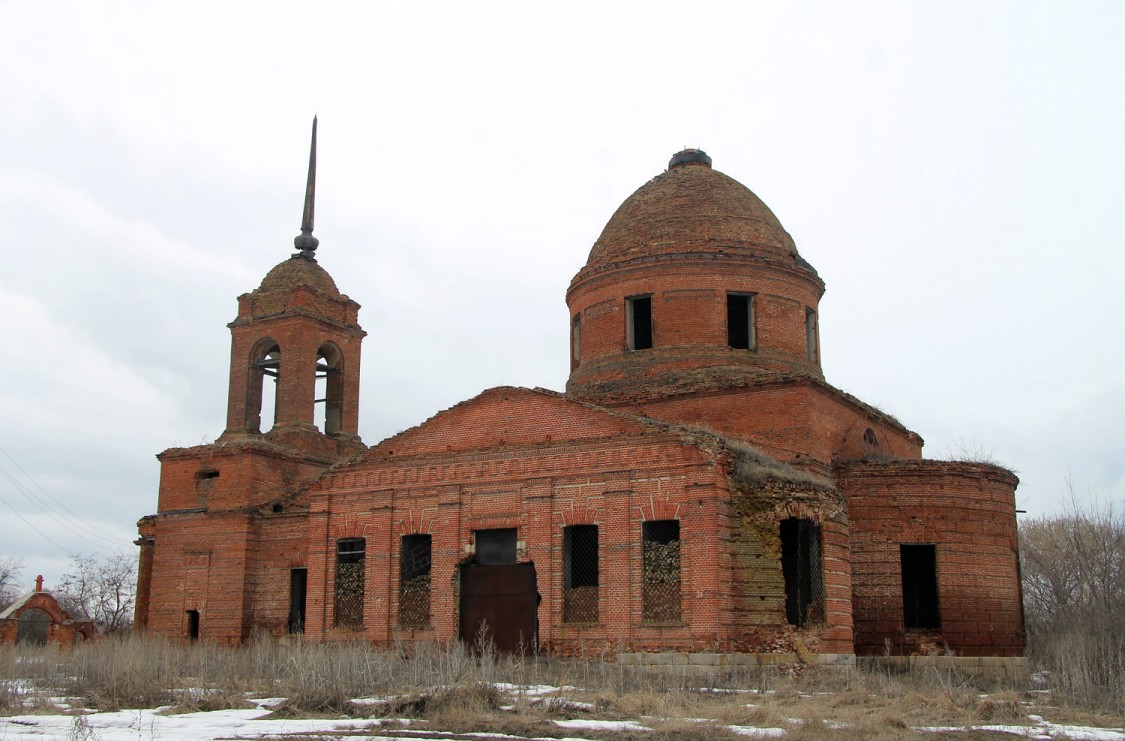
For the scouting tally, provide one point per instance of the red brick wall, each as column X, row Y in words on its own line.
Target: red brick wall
column 604, row 472
column 689, row 324
column 804, row 423
column 199, row 562
column 248, row 474
column 968, row 511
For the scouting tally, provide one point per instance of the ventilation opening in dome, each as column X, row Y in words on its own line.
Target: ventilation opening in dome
column 740, row 320
column 638, row 322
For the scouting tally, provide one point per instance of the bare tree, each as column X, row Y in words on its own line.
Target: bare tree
column 101, row 589
column 10, row 569
column 1074, row 597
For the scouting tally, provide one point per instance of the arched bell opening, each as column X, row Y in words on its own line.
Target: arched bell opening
column 329, row 394
column 261, row 401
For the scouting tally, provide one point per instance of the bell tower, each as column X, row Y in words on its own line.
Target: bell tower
column 295, row 351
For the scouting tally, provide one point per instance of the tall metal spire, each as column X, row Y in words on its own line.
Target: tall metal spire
column 305, row 241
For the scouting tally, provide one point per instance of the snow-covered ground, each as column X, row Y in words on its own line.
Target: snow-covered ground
column 256, row 723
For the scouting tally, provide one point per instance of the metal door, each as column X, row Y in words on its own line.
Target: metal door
column 499, row 608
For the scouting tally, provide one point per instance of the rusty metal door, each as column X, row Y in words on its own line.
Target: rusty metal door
column 499, row 606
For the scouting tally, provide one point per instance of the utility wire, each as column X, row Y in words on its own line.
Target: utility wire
column 106, row 540
column 81, row 523
column 37, row 530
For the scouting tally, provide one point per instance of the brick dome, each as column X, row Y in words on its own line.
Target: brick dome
column 296, row 272
column 693, row 209
column 692, row 285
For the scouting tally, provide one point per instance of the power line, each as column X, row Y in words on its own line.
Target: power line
column 74, row 522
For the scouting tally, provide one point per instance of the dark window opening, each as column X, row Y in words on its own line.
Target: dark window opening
column 920, row 608
column 350, row 568
column 298, row 582
column 204, row 481
column 660, row 555
column 869, row 437
column 576, row 341
column 193, row 625
column 740, row 320
column 638, row 314
column 801, row 567
column 810, row 334
column 496, row 547
column 580, row 574
column 414, row 582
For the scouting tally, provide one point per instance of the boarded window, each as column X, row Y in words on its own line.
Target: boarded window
column 638, row 322
column 740, row 320
column 801, row 566
column 580, row 574
column 496, row 547
column 920, row 587
column 414, row 582
column 661, row 571
column 298, row 582
column 350, row 563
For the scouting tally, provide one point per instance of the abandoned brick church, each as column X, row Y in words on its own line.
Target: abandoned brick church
column 699, row 487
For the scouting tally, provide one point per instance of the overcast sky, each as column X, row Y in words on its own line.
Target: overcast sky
column 955, row 172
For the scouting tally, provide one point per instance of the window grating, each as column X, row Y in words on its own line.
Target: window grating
column 920, row 608
column 801, row 567
column 661, row 571
column 580, row 574
column 350, row 566
column 414, row 582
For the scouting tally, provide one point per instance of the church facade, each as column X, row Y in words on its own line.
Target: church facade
column 698, row 487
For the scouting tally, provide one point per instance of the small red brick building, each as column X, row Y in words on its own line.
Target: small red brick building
column 36, row 618
column 698, row 488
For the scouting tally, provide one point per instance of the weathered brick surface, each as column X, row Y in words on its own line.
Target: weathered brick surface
column 968, row 511
column 727, row 442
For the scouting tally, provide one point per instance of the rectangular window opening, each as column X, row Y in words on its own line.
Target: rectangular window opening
column 193, row 625
column 810, row 334
column 580, row 574
column 351, row 556
column 920, row 608
column 638, row 317
column 414, row 582
column 740, row 321
column 298, row 583
column 496, row 547
column 660, row 554
column 576, row 341
column 801, row 568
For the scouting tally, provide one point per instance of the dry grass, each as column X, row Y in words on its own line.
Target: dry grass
column 448, row 689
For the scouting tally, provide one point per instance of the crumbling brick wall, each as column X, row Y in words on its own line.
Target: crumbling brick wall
column 967, row 511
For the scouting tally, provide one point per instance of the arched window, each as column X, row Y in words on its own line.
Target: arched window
column 329, row 394
column 261, row 401
column 33, row 627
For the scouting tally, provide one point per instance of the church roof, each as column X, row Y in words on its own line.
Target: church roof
column 297, row 272
column 692, row 208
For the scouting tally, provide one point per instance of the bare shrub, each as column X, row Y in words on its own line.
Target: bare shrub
column 10, row 569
